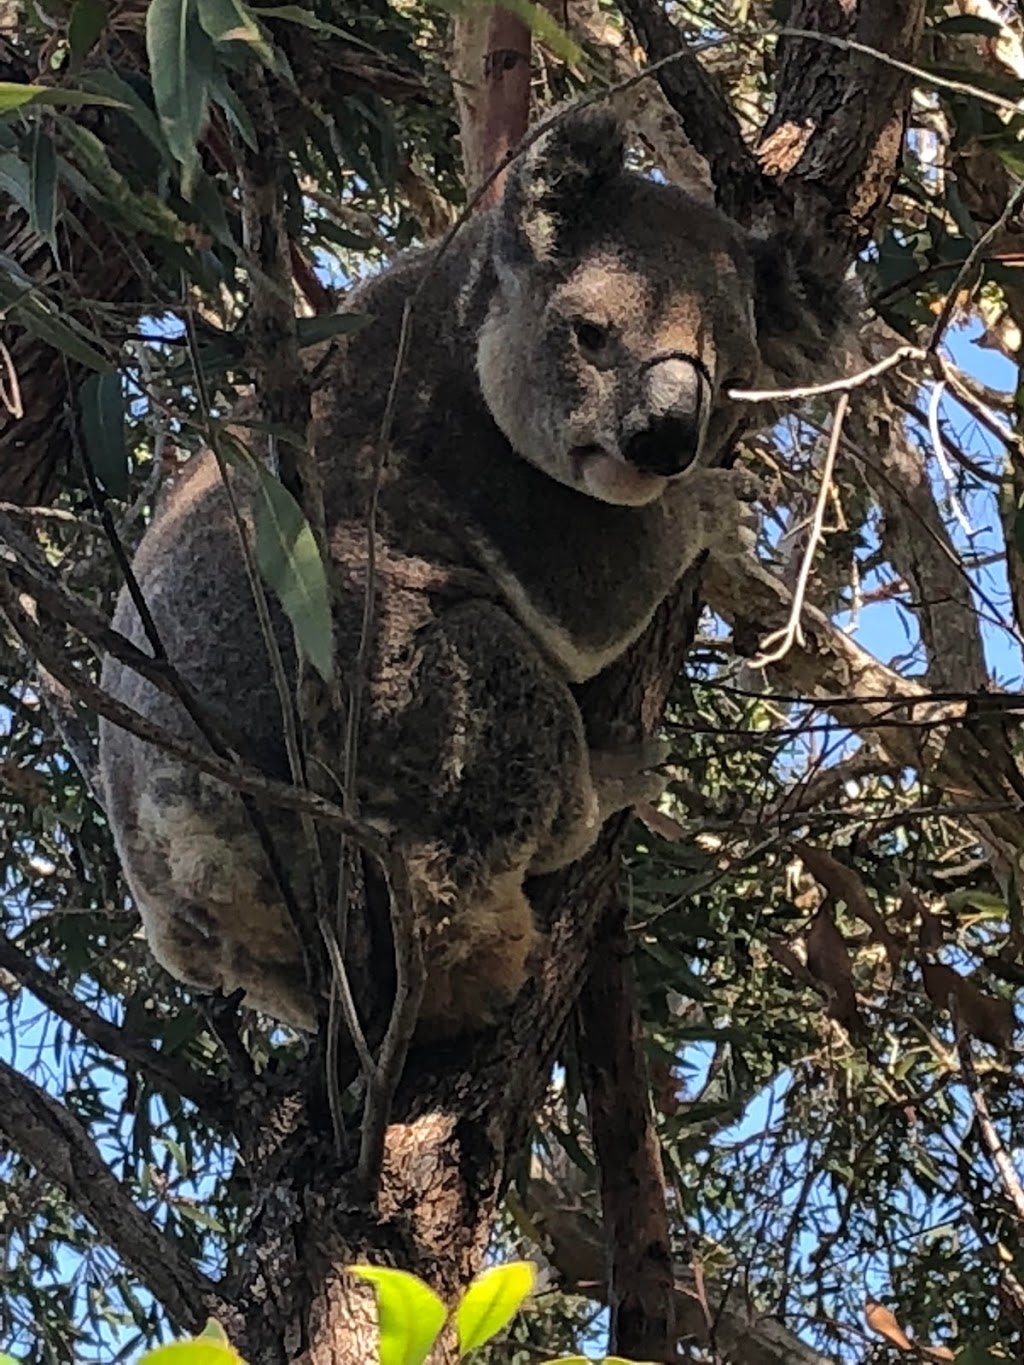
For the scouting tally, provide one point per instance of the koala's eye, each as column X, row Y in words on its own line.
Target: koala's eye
column 591, row 337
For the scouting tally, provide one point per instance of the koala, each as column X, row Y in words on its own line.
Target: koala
column 550, row 475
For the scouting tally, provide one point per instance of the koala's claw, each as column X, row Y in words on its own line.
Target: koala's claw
column 628, row 776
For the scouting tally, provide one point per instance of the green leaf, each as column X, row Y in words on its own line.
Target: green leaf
column 103, row 416
column 311, row 331
column 42, row 179
column 202, row 1219
column 231, row 21
column 409, row 1314
column 289, row 560
column 491, row 1301
column 37, row 316
column 215, row 1332
column 180, row 59
column 14, row 179
column 199, row 1351
column 88, row 20
column 13, row 95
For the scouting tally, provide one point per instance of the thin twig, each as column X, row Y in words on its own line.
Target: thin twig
column 1005, row 1168
column 238, row 777
column 847, row 385
column 973, row 262
column 410, row 980
column 778, row 644
column 946, row 469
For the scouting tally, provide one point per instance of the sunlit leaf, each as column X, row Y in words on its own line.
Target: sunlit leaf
column 409, row 1314
column 200, row 1351
column 289, row 560
column 14, row 96
column 491, row 1301
column 103, row 417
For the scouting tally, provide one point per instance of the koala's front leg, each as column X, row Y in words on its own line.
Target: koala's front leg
column 483, row 771
column 715, row 507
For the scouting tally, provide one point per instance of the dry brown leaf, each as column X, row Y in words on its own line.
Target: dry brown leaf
column 883, row 1321
column 844, row 884
column 985, row 1017
column 828, row 960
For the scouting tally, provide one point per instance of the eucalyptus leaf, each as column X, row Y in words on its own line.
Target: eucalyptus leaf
column 231, row 21
column 43, row 187
column 180, row 60
column 409, row 1314
column 102, row 406
column 87, row 21
column 290, row 562
column 491, row 1301
column 15, row 96
column 325, row 326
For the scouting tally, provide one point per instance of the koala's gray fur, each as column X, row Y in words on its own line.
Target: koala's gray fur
column 546, row 486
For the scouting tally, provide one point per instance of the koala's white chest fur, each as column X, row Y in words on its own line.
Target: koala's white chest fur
column 577, row 660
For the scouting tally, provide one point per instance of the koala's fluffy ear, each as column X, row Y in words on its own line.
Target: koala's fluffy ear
column 552, row 184
column 803, row 313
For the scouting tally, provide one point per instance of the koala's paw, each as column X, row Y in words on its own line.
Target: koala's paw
column 729, row 522
column 628, row 776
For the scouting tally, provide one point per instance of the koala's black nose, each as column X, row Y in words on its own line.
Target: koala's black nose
column 667, row 446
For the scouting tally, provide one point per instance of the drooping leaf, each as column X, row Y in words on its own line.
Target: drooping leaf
column 38, row 317
column 409, row 1314
column 43, row 187
column 103, row 417
column 290, row 562
column 179, row 61
column 491, row 1301
column 88, row 20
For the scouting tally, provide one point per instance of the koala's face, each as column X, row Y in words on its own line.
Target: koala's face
column 622, row 310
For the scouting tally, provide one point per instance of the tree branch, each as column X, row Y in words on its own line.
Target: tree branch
column 835, row 136
column 703, row 110
column 963, row 751
column 641, row 1289
column 743, row 1337
column 45, row 1135
column 209, row 1096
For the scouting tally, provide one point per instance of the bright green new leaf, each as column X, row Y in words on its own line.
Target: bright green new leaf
column 7, row 1360
column 13, row 95
column 200, row 1351
column 231, row 21
column 180, row 59
column 491, row 1301
column 213, row 1331
column 409, row 1314
column 289, row 560
column 88, row 20
column 103, row 414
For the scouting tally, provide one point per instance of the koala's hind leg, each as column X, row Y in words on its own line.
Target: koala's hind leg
column 210, row 906
column 482, row 767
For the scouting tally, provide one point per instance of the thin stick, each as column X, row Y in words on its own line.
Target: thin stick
column 777, row 645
